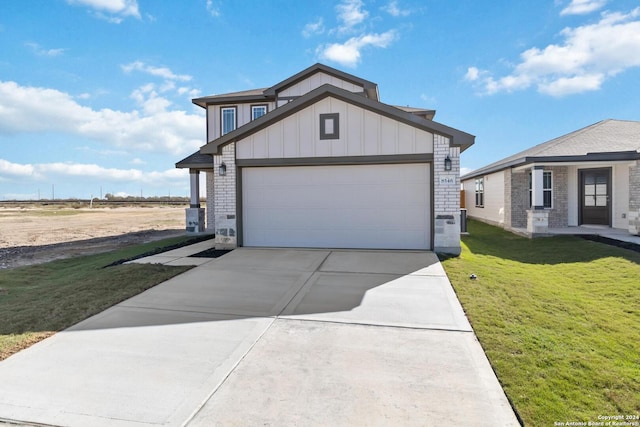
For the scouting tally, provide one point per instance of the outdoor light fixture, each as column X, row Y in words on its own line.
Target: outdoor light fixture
column 447, row 163
column 222, row 169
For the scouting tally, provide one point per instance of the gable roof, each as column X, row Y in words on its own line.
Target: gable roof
column 370, row 88
column 269, row 93
column 605, row 140
column 458, row 138
column 196, row 161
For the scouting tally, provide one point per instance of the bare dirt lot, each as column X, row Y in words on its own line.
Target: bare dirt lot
column 31, row 235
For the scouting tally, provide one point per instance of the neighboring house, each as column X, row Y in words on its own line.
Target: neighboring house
column 318, row 161
column 588, row 177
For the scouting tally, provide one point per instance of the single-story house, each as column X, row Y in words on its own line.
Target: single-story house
column 587, row 177
column 318, row 161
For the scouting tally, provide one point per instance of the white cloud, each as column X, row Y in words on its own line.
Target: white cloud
column 163, row 72
column 472, row 74
column 14, row 169
column 588, row 56
column 394, row 10
column 582, row 7
column 313, row 28
column 40, row 51
column 350, row 14
column 213, row 9
column 113, row 11
column 25, row 109
column 348, row 53
column 44, row 171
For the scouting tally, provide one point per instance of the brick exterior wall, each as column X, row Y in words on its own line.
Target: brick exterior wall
column 519, row 195
column 211, row 215
column 519, row 199
column 507, row 199
column 225, row 198
column 634, row 199
column 559, row 215
column 446, row 195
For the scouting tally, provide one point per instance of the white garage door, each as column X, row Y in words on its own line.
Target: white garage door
column 362, row 206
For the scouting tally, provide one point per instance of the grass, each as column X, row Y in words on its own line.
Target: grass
column 559, row 319
column 37, row 301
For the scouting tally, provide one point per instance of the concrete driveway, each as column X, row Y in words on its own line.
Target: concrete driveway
column 268, row 337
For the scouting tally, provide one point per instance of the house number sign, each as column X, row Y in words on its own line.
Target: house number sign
column 447, row 180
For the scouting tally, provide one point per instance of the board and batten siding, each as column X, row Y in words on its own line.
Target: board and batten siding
column 494, row 199
column 315, row 81
column 243, row 116
column 367, row 134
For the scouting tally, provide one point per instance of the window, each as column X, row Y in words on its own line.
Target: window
column 228, row 120
column 547, row 190
column 258, row 111
column 480, row 193
column 330, row 126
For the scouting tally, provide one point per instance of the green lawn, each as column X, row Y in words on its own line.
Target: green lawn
column 37, row 301
column 559, row 319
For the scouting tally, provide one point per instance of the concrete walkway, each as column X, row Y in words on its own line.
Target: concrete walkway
column 268, row 337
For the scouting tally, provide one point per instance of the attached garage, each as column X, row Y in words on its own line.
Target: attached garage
column 317, row 161
column 381, row 206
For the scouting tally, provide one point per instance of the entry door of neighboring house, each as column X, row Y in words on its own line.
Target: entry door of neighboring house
column 595, row 193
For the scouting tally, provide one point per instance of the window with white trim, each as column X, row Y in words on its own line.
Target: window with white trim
column 547, row 189
column 258, row 111
column 480, row 193
column 227, row 120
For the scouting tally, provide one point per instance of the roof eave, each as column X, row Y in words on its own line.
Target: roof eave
column 589, row 157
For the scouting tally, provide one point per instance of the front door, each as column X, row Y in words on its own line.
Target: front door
column 595, row 193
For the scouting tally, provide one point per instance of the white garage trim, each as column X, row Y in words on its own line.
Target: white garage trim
column 379, row 206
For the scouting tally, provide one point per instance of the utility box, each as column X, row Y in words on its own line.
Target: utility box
column 195, row 220
column 463, row 220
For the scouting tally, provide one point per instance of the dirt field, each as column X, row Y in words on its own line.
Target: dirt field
column 35, row 235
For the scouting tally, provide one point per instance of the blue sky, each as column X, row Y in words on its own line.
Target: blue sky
column 95, row 95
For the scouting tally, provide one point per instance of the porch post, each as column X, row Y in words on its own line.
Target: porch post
column 537, row 188
column 195, row 188
column 194, row 213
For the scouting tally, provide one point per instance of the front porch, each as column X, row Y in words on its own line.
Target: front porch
column 617, row 234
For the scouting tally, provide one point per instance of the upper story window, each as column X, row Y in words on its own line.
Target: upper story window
column 258, row 111
column 228, row 119
column 480, row 193
column 547, row 189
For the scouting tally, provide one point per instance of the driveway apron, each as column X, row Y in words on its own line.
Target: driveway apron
column 268, row 337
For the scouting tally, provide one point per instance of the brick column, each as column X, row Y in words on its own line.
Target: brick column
column 446, row 203
column 225, row 198
column 211, row 215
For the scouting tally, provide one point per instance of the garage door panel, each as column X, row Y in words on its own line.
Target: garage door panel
column 363, row 206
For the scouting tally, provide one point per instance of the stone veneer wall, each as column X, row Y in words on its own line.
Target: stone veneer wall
column 211, row 215
column 634, row 198
column 225, row 198
column 446, row 197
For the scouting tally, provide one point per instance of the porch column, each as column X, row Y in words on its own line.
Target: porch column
column 195, row 188
column 194, row 213
column 537, row 188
